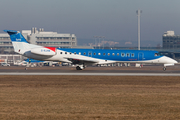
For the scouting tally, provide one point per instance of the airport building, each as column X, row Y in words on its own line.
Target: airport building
column 10, row 58
column 170, row 40
column 5, row 44
column 39, row 37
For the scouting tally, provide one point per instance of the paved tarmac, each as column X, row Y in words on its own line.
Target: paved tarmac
column 97, row 74
column 102, row 71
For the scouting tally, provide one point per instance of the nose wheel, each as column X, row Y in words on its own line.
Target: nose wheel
column 164, row 68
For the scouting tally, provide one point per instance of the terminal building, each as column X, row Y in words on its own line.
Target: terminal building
column 170, row 40
column 39, row 37
column 171, row 45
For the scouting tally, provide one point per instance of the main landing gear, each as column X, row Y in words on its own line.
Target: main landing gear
column 80, row 67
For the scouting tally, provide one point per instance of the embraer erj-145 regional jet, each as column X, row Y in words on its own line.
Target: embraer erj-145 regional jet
column 83, row 57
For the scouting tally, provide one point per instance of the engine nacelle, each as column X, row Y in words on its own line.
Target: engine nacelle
column 47, row 51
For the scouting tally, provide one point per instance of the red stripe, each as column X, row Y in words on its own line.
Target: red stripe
column 51, row 48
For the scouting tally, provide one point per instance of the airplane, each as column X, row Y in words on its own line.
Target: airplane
column 84, row 57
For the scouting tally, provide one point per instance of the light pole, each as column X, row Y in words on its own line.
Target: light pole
column 139, row 14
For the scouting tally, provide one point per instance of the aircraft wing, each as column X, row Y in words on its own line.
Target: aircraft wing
column 82, row 61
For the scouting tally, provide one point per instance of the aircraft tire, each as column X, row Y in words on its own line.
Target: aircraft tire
column 164, row 68
column 78, row 68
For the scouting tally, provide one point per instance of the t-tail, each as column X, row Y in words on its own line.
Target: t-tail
column 19, row 42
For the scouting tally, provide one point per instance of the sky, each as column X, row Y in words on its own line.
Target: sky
column 114, row 19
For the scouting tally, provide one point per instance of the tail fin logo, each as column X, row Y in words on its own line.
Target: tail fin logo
column 16, row 36
column 18, row 39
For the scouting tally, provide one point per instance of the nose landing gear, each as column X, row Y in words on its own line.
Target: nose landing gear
column 164, row 68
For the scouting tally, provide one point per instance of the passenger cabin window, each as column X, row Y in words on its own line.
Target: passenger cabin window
column 70, row 53
column 127, row 54
column 61, row 53
column 132, row 54
column 84, row 53
column 79, row 53
column 99, row 53
column 65, row 52
column 89, row 53
column 122, row 54
column 108, row 54
column 75, row 53
column 94, row 53
column 104, row 53
column 113, row 54
column 117, row 54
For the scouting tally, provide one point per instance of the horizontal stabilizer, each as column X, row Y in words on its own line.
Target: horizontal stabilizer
column 10, row 32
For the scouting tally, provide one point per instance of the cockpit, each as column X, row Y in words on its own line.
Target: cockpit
column 157, row 54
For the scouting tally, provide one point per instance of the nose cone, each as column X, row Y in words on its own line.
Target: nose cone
column 168, row 60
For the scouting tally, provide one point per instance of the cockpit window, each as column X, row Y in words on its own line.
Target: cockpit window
column 157, row 54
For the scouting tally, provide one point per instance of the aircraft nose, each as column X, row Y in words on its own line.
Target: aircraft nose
column 170, row 60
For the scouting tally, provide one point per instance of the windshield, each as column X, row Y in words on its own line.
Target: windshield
column 157, row 54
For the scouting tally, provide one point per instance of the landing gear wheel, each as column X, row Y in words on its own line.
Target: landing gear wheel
column 164, row 68
column 78, row 68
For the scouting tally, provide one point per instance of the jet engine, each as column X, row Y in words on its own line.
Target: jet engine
column 47, row 51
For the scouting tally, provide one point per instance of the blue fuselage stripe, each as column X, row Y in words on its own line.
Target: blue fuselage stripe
column 116, row 55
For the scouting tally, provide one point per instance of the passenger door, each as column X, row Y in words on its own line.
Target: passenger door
column 140, row 56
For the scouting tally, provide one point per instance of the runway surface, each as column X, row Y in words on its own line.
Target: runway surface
column 98, row 71
column 96, row 74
